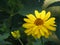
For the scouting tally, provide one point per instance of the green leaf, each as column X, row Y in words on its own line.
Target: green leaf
column 38, row 42
column 4, row 36
column 54, row 4
column 54, row 38
column 48, row 2
column 55, row 10
column 58, row 27
column 29, row 10
column 5, row 43
column 11, row 6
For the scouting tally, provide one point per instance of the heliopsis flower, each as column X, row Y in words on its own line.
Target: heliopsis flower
column 16, row 34
column 40, row 24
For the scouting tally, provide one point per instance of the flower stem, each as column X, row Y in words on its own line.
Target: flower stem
column 21, row 42
column 42, row 41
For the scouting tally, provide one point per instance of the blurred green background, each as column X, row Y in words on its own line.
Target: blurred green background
column 12, row 13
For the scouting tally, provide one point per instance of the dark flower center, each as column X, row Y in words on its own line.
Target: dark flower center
column 38, row 21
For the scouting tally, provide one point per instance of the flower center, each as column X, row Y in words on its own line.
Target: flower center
column 38, row 21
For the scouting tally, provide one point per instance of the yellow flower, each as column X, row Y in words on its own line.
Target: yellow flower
column 16, row 34
column 39, row 24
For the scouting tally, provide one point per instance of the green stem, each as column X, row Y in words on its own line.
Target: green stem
column 42, row 41
column 21, row 42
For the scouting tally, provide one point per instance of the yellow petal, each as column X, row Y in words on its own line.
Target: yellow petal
column 50, row 27
column 34, row 29
column 37, row 14
column 27, row 20
column 53, row 25
column 46, row 36
column 45, row 30
column 13, row 34
column 34, row 36
column 47, row 16
column 43, row 14
column 16, row 34
column 31, row 17
column 28, row 31
column 27, row 25
column 38, row 35
column 50, row 33
column 42, row 33
column 51, row 21
column 36, row 32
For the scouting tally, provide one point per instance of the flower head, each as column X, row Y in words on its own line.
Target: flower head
column 16, row 34
column 39, row 24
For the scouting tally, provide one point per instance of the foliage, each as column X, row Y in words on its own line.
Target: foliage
column 12, row 13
